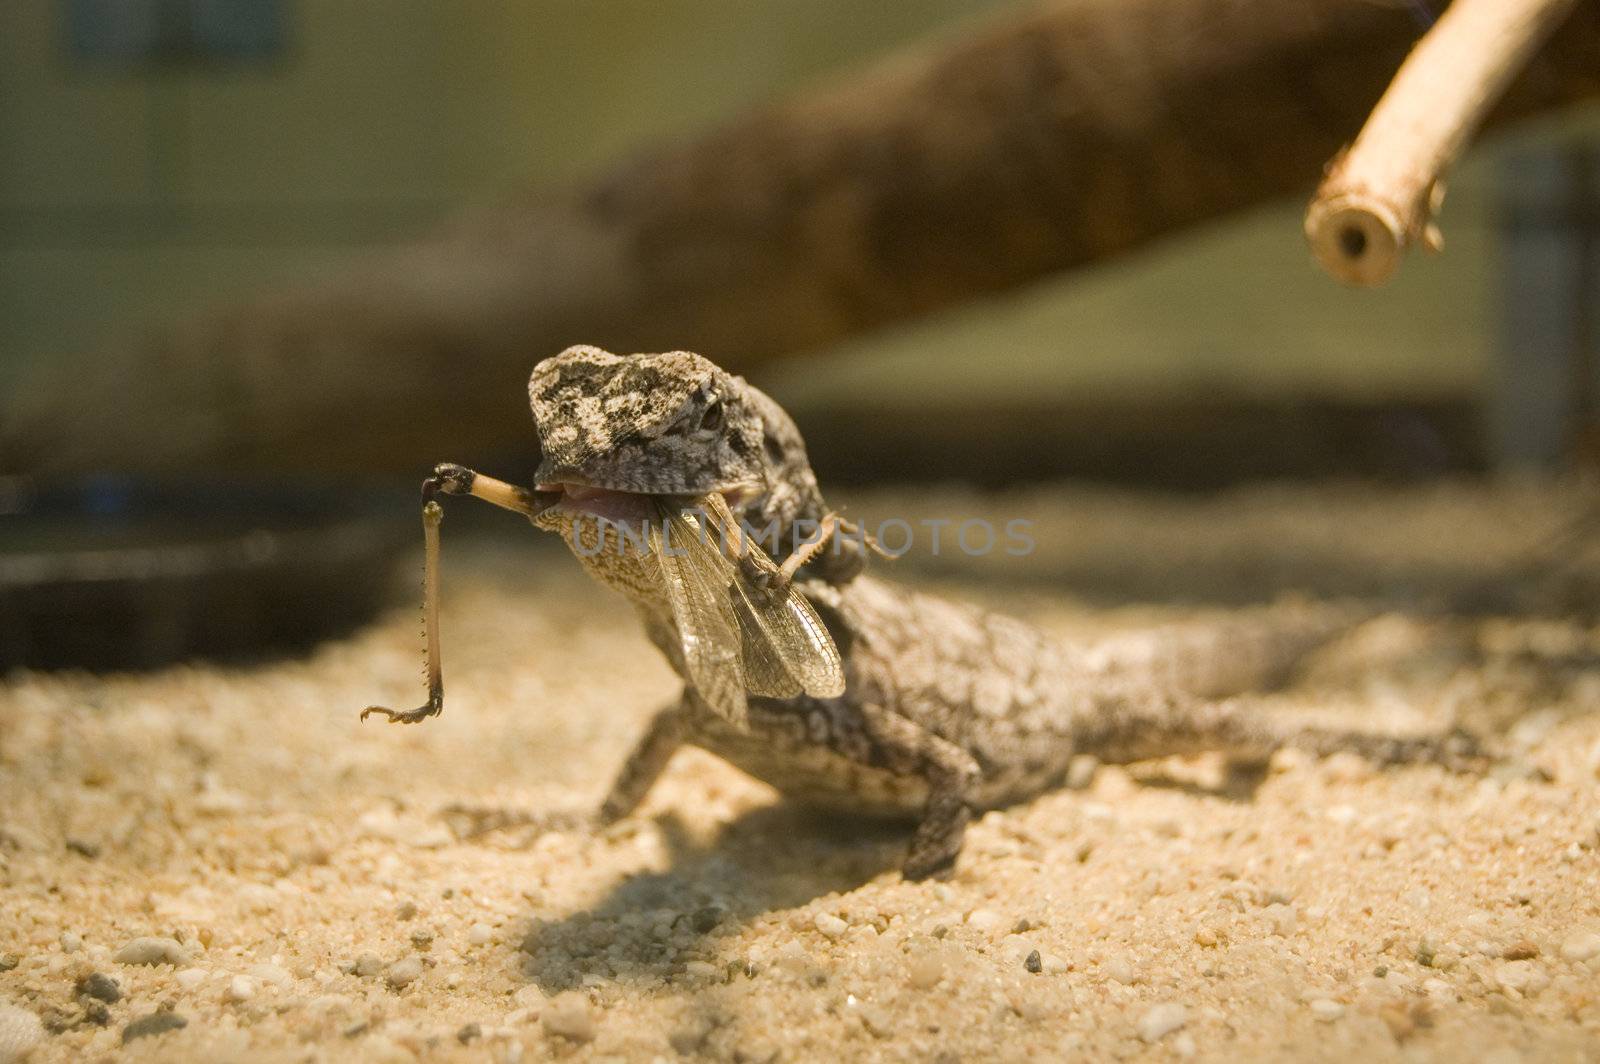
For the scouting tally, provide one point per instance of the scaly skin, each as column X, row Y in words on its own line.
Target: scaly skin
column 947, row 708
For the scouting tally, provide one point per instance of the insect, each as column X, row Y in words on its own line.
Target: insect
column 735, row 636
column 742, row 629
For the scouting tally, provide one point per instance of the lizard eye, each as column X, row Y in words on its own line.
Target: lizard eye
column 711, row 418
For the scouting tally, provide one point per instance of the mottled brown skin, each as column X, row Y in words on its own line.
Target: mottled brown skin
column 947, row 708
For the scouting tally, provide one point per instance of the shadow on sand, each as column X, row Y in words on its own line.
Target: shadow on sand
column 652, row 924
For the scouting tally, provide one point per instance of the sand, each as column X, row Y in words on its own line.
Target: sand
column 209, row 863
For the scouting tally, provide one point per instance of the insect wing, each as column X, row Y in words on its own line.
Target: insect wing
column 786, row 644
column 708, row 629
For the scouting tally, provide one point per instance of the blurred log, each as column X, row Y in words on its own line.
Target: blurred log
column 1379, row 197
column 1045, row 141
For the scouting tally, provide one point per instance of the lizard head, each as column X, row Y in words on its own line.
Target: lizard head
column 616, row 429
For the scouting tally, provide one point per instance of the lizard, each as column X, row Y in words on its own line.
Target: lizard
column 947, row 708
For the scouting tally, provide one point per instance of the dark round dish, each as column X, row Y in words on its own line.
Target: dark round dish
column 117, row 574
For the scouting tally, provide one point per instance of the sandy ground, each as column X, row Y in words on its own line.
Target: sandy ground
column 333, row 891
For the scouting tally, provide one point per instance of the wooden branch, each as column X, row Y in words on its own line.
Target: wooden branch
column 1045, row 141
column 1380, row 196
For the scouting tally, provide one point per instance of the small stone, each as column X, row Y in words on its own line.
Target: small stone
column 480, row 935
column 240, row 988
column 152, row 951
column 875, row 1019
column 705, row 919
column 422, row 941
column 153, row 1024
column 71, row 942
column 830, row 925
column 1325, row 1009
column 83, row 848
column 1034, row 963
column 1521, row 950
column 1161, row 1020
column 1119, row 969
column 101, row 987
column 567, row 1016
column 1521, row 976
column 190, row 978
column 407, row 910
column 367, row 965
column 1080, row 772
column 985, row 921
column 469, row 1033
column 271, row 973
column 924, row 971
column 8, row 961
column 687, row 1040
column 1281, row 918
column 1581, row 946
column 403, row 973
column 20, row 1032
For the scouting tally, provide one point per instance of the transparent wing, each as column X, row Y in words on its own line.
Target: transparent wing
column 708, row 629
column 786, row 647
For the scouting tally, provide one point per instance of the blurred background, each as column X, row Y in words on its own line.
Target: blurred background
column 296, row 239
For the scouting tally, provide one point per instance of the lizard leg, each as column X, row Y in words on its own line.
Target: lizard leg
column 644, row 765
column 950, row 772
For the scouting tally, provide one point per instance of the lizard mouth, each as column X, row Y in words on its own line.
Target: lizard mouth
column 612, row 504
column 622, row 507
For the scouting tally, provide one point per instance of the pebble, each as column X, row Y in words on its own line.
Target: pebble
column 1281, row 918
column 985, row 921
column 1161, row 1020
column 568, row 1016
column 101, row 987
column 153, row 1024
column 1325, row 1009
column 1581, row 946
column 150, row 950
column 367, row 965
column 240, row 988
column 1522, row 976
column 20, row 1032
column 1033, row 962
column 924, row 971
column 403, row 973
column 407, row 910
column 71, row 942
column 830, row 925
column 1120, row 969
column 480, row 935
column 1080, row 772
column 271, row 973
column 1053, row 965
column 190, row 978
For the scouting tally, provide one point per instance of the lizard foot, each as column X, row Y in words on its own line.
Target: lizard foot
column 923, row 866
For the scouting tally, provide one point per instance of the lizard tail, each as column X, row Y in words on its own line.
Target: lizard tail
column 1252, row 651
